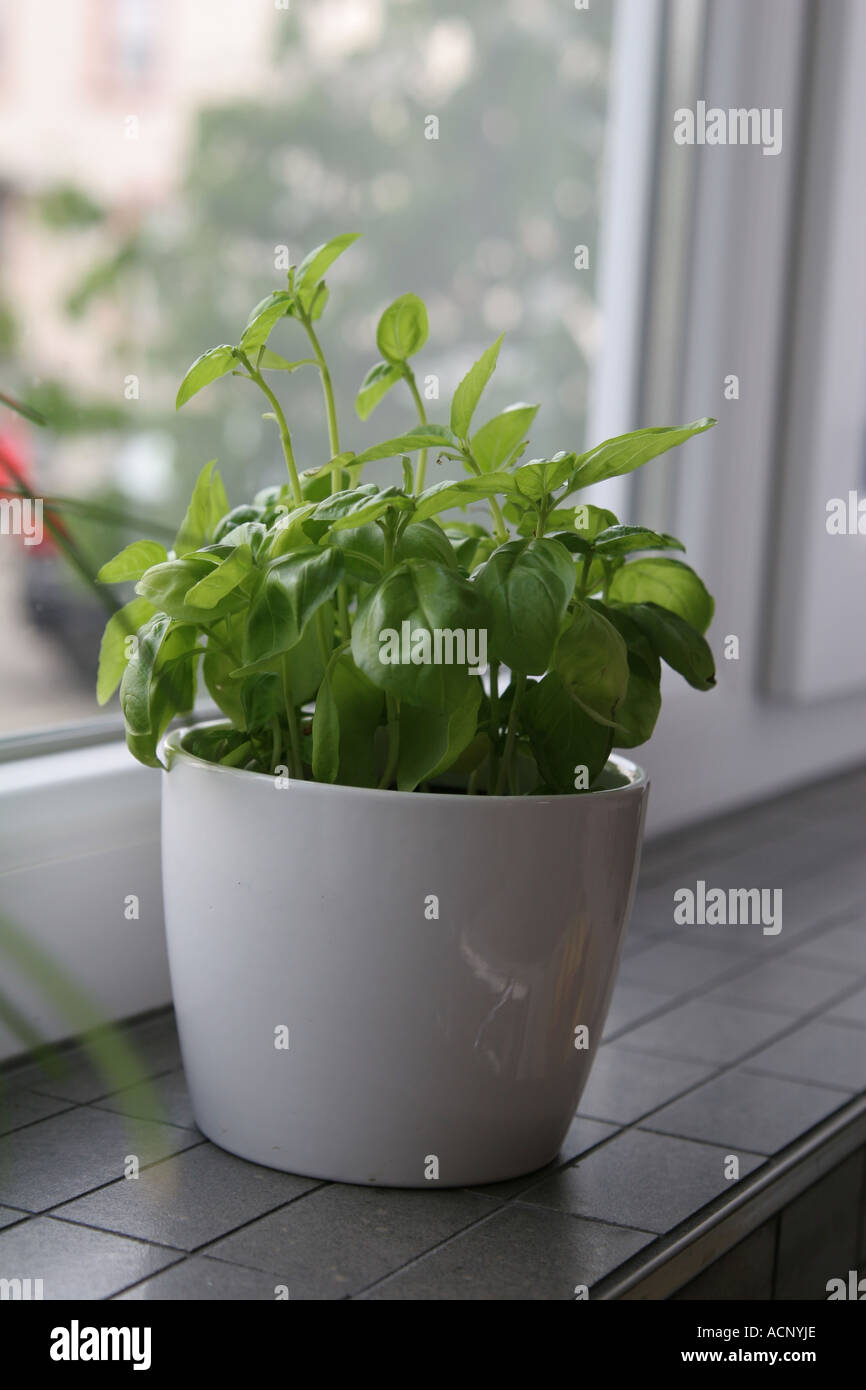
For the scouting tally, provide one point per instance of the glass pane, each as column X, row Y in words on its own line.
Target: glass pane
column 160, row 163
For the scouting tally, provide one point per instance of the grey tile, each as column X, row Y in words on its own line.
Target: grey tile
column 744, row 1111
column 61, row 1157
column 818, row 1234
column 745, row 1272
column 154, row 1046
column 20, row 1107
column 850, row 1010
column 677, row 967
column 189, row 1200
column 631, row 1005
column 74, row 1262
column 165, row 1098
column 790, row 986
column 706, row 1032
column 647, row 1181
column 843, row 945
column 202, row 1280
column 520, row 1253
column 339, row 1239
column 582, row 1135
column 831, row 1053
column 625, row 1085
column 8, row 1217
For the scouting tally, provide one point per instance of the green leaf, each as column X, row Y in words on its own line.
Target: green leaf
column 216, row 668
column 132, row 561
column 421, row 437
column 591, row 659
column 205, row 369
column 113, row 650
column 430, row 742
column 629, row 451
column 208, row 505
column 317, row 262
column 349, row 709
column 617, row 541
column 442, row 496
column 589, row 521
column 563, row 736
column 429, row 599
column 403, row 328
column 358, row 505
column 262, row 319
column 376, row 384
column 667, row 582
column 275, row 363
column 494, row 444
column 468, row 393
column 425, row 540
column 676, row 642
column 293, row 588
column 166, row 586
column 207, row 592
column 542, row 476
column 153, row 688
column 528, row 585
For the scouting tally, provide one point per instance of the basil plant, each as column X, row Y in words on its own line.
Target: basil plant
column 360, row 635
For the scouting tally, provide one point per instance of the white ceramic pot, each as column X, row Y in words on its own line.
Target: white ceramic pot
column 428, row 957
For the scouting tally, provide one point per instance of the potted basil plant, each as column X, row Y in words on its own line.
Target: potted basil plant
column 398, row 870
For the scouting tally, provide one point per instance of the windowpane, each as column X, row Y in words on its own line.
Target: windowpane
column 156, row 160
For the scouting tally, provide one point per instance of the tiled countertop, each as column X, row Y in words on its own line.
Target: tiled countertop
column 722, row 1043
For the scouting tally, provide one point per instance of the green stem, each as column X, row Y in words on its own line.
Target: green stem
column 422, row 419
column 499, row 527
column 292, row 717
column 337, row 479
column 494, row 724
column 507, row 770
column 330, row 403
column 277, row 743
column 237, row 755
column 285, row 437
column 392, row 704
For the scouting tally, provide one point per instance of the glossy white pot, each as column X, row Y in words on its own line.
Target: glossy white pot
column 417, row 1043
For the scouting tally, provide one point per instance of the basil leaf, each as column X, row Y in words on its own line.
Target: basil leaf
column 421, row 437
column 442, row 496
column 629, row 451
column 468, row 393
column 376, row 384
column 427, row 598
column 349, row 709
column 430, row 742
column 592, row 661
column 494, row 444
column 317, row 262
column 113, row 647
column 262, row 319
column 233, row 570
column 669, row 583
column 132, row 561
column 212, row 364
column 403, row 328
column 676, row 642
column 617, row 541
column 528, row 585
column 293, row 588
column 562, row 735
column 166, row 586
column 208, row 505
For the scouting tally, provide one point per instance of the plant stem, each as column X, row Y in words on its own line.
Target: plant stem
column 507, row 770
column 422, row 419
column 494, row 724
column 292, row 717
column 277, row 741
column 237, row 755
column 337, row 479
column 285, row 437
column 330, row 403
column 499, row 527
column 392, row 704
